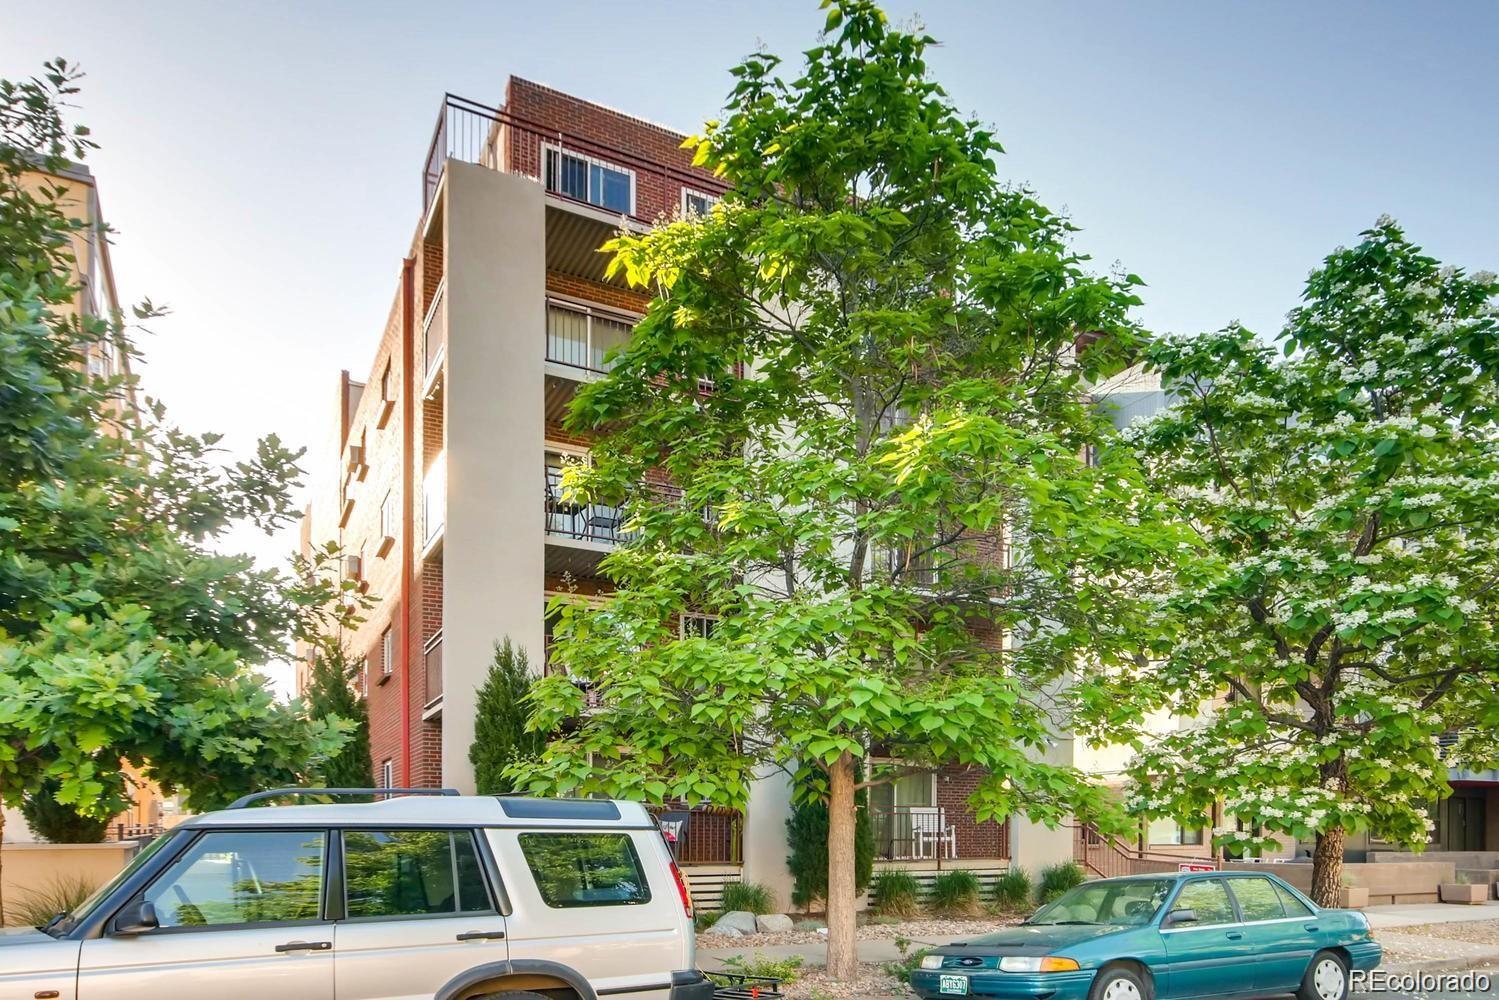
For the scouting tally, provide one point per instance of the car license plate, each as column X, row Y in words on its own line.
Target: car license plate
column 957, row 985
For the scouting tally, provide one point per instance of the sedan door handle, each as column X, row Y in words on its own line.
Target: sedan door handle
column 1236, row 935
column 305, row 946
column 482, row 936
column 1313, row 927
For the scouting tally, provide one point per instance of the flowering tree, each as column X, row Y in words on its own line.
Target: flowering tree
column 838, row 512
column 1346, row 491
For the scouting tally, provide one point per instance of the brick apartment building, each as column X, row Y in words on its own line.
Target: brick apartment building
column 447, row 500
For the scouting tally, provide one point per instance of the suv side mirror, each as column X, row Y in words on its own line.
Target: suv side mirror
column 1187, row 916
column 137, row 918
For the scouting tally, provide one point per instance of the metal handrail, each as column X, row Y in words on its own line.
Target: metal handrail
column 276, row 793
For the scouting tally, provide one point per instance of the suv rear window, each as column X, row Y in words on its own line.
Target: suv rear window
column 585, row 869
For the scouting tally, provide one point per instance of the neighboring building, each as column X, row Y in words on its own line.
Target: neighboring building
column 447, row 500
column 77, row 195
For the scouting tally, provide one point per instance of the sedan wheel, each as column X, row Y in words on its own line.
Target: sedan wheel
column 1118, row 984
column 1327, row 979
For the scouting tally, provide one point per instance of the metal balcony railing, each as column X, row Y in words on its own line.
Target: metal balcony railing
column 432, row 668
column 1107, row 856
column 703, row 835
column 571, row 166
column 908, row 833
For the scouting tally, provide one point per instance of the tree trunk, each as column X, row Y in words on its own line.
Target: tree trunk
column 843, row 954
column 1327, row 867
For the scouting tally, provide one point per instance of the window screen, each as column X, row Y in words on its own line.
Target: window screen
column 585, row 869
column 412, row 873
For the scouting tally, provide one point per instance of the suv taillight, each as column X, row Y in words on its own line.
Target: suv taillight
column 682, row 889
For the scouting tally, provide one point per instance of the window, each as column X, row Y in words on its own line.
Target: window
column 1294, row 906
column 387, row 652
column 266, row 876
column 385, row 395
column 594, row 181
column 1257, row 899
column 364, row 677
column 413, row 873
column 1169, row 831
column 581, row 338
column 585, row 869
column 387, row 775
column 697, row 626
column 1208, row 899
column 697, row 202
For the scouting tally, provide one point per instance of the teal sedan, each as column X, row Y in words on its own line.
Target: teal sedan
column 1214, row 934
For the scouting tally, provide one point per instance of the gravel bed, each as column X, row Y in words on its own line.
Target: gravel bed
column 921, row 932
column 873, row 982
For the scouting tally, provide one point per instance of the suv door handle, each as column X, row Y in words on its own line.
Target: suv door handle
column 304, row 946
column 482, row 936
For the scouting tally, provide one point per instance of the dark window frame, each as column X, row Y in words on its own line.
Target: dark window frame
column 453, row 832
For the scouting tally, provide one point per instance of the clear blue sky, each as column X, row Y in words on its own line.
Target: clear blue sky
column 262, row 161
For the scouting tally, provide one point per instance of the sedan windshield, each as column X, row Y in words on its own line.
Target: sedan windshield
column 1130, row 902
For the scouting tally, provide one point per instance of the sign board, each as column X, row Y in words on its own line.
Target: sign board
column 1196, row 866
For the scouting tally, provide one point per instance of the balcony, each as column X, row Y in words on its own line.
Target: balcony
column 434, row 341
column 703, row 835
column 434, row 504
column 595, row 176
column 913, row 833
column 432, row 676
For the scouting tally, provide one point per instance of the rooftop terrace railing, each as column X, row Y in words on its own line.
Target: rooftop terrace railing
column 493, row 137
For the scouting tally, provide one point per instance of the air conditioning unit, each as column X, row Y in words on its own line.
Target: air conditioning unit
column 353, row 568
column 357, row 467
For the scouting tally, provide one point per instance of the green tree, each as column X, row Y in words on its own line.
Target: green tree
column 501, row 738
column 807, row 840
column 331, row 694
column 123, row 634
column 58, row 823
column 1343, row 488
column 861, row 373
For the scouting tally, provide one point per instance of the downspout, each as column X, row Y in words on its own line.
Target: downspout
column 408, row 505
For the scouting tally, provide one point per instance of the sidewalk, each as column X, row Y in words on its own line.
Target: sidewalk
column 1417, row 914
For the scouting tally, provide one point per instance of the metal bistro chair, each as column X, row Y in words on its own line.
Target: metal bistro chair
column 558, row 508
column 604, row 522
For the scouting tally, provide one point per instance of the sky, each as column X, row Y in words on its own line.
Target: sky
column 262, row 162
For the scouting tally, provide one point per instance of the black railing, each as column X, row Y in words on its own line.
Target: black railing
column 493, row 137
column 432, row 668
column 590, row 522
column 704, row 835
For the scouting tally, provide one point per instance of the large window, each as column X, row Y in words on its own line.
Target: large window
column 594, row 181
column 265, row 876
column 1208, row 900
column 585, row 869
column 1169, row 831
column 413, row 873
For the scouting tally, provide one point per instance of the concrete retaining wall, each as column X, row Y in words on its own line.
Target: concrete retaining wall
column 29, row 870
column 1387, row 882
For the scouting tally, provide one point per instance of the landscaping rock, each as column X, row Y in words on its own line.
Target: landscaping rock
column 738, row 921
column 773, row 923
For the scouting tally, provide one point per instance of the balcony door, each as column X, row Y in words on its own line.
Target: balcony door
column 906, row 816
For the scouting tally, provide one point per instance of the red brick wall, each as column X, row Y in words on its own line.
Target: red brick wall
column 975, row 840
column 610, row 296
column 599, row 131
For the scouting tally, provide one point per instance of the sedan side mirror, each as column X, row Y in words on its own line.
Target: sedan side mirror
column 137, row 918
column 1176, row 917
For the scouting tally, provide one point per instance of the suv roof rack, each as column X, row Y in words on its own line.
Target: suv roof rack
column 276, row 793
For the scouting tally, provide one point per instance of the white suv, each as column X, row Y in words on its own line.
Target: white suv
column 442, row 897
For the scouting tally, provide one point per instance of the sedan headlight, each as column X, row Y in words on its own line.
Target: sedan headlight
column 1037, row 963
column 931, row 961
